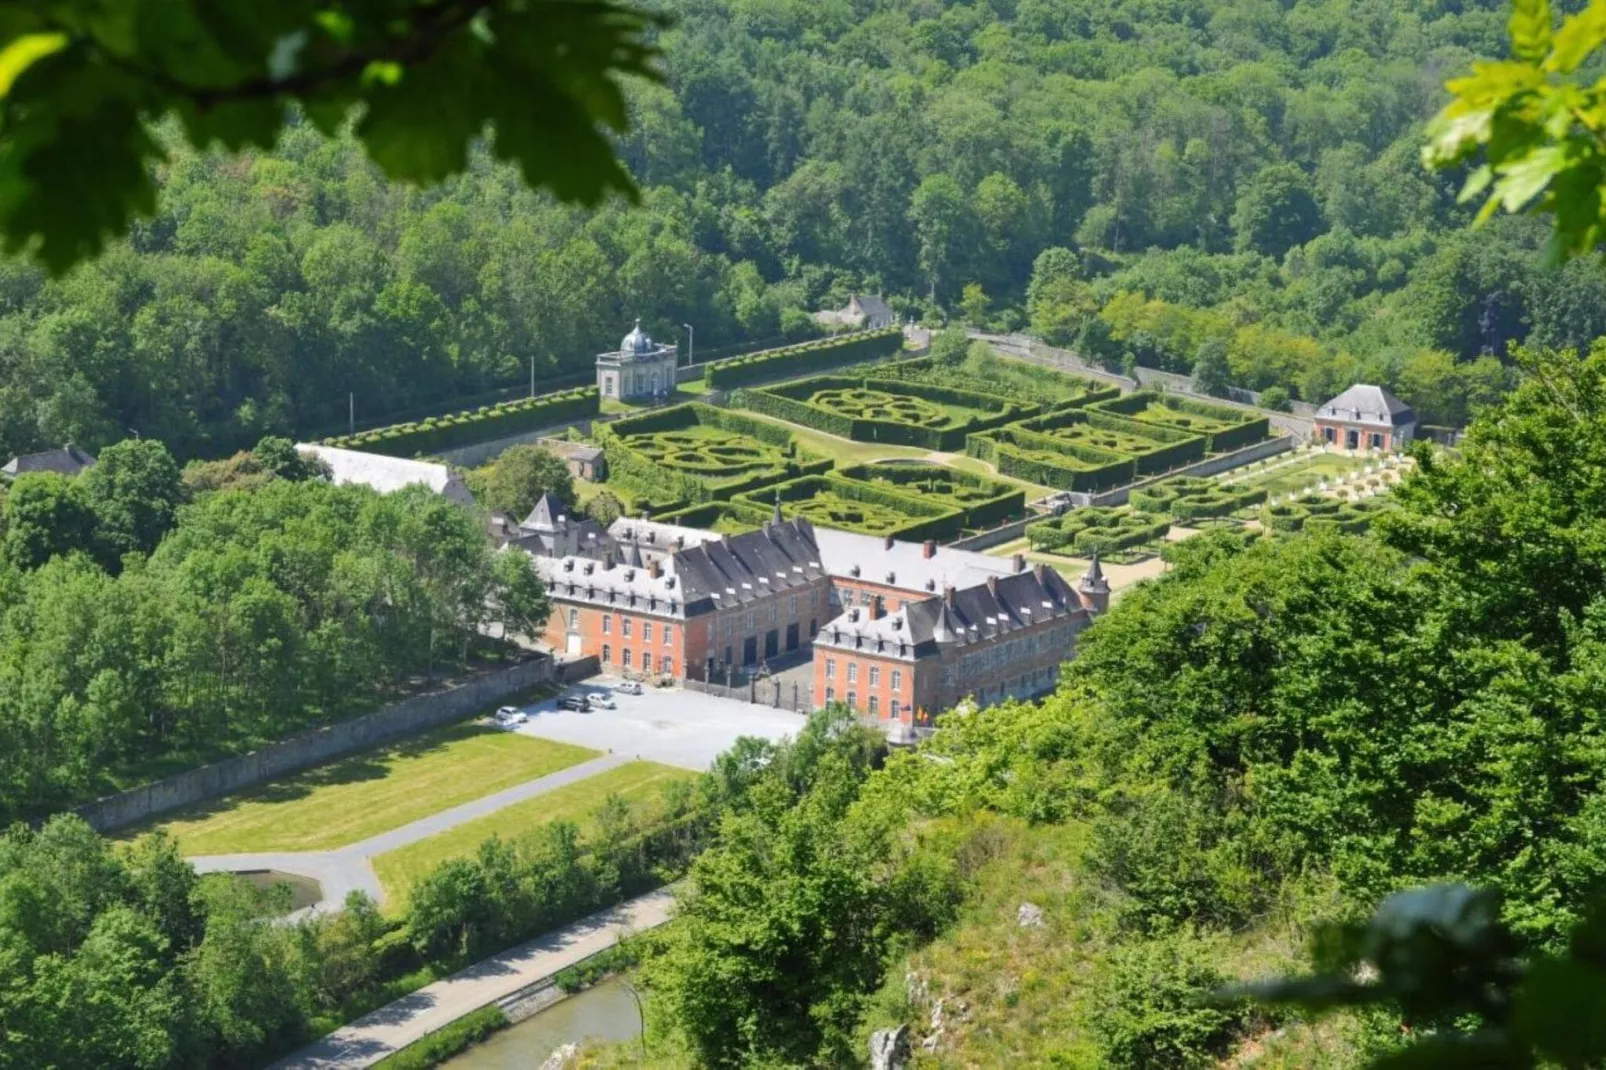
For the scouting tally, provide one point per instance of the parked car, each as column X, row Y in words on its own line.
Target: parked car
column 629, row 687
column 511, row 715
column 602, row 700
column 577, row 703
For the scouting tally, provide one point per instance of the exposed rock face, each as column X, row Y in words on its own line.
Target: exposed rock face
column 889, row 1048
column 1029, row 916
column 561, row 1058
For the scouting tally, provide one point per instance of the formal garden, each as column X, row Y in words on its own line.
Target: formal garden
column 1195, row 501
column 1223, row 428
column 1114, row 533
column 698, row 453
column 888, row 411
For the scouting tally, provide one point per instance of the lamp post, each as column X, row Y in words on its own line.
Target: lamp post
column 691, row 344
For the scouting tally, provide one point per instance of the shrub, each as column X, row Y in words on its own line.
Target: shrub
column 1097, row 529
column 1193, row 498
column 1223, row 428
column 437, row 1047
column 848, row 505
column 1285, row 517
column 880, row 410
column 983, row 501
column 817, row 355
column 478, row 425
column 698, row 453
column 1154, row 1007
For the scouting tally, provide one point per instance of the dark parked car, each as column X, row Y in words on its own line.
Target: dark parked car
column 577, row 703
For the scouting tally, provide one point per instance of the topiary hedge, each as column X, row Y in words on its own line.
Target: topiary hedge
column 1056, row 465
column 639, row 455
column 1287, row 517
column 797, row 403
column 1237, row 429
column 1194, row 498
column 472, row 426
column 1153, row 449
column 831, row 501
column 983, row 502
column 1097, row 529
column 807, row 357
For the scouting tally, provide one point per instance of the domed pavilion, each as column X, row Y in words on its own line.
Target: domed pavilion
column 639, row 369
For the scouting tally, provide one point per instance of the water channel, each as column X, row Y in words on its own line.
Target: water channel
column 604, row 1012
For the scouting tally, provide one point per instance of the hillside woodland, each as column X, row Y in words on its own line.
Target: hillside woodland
column 1280, row 730
column 1140, row 180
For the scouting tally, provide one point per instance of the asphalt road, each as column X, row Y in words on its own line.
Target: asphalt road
column 396, row 1025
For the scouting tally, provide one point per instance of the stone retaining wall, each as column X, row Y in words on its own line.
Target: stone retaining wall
column 315, row 746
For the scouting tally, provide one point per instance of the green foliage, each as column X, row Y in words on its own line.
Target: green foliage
column 251, row 620
column 1529, row 123
column 910, row 413
column 984, row 502
column 1191, row 498
column 444, row 1043
column 69, row 81
column 520, row 476
column 1224, row 429
column 616, row 959
column 1103, row 530
column 854, row 505
column 135, row 491
column 1153, row 1007
column 699, row 453
column 466, row 428
column 47, row 515
column 808, row 357
column 1276, row 399
column 786, row 920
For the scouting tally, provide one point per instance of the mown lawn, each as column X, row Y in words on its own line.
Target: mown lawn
column 372, row 792
column 638, row 783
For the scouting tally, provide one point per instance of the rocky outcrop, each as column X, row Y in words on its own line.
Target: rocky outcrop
column 889, row 1048
column 1029, row 916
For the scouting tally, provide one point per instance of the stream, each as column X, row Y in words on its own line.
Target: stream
column 604, row 1012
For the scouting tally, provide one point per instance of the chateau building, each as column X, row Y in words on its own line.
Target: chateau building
column 67, row 461
column 737, row 600
column 1004, row 637
column 639, row 368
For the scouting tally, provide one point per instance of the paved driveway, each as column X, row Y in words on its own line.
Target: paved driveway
column 672, row 726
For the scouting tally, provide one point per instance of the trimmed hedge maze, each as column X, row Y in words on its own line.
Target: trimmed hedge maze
column 1224, row 429
column 1113, row 442
column 848, row 505
column 1317, row 515
column 1097, row 530
column 1192, row 498
column 885, row 410
column 474, row 425
column 697, row 453
column 807, row 357
column 982, row 502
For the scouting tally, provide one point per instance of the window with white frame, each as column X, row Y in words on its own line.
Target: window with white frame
column 607, row 624
column 624, row 626
column 853, row 672
column 669, row 634
column 646, row 631
column 607, row 654
column 897, row 680
column 875, row 675
column 624, row 656
column 574, row 618
column 830, row 668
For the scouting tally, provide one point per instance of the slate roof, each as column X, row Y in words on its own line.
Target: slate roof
column 388, row 474
column 654, row 535
column 69, row 460
column 548, row 513
column 870, row 306
column 971, row 615
column 609, row 583
column 904, row 565
column 1366, row 404
column 747, row 567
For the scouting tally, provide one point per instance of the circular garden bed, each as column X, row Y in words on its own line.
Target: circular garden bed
column 858, row 403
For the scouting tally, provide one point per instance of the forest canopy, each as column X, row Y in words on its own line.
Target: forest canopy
column 1239, row 172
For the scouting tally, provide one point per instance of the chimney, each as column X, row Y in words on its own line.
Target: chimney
column 878, row 608
column 948, row 593
column 1019, row 561
column 992, row 586
column 645, row 515
column 889, row 541
column 1039, row 570
column 655, row 569
column 928, row 549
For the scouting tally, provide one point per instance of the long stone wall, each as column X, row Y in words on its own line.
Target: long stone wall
column 315, row 746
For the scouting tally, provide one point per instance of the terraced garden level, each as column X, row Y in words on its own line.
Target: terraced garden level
column 364, row 795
